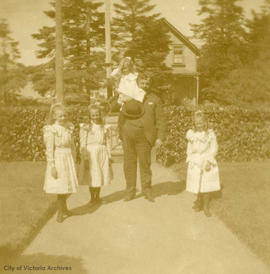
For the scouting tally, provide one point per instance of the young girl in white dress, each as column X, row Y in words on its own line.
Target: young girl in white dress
column 60, row 177
column 202, row 173
column 127, row 82
column 96, row 152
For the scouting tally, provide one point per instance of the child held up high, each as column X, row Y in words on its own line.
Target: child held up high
column 127, row 81
column 203, row 172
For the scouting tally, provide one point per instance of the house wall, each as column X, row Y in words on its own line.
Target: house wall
column 190, row 62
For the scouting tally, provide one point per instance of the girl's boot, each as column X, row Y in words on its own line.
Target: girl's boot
column 92, row 194
column 60, row 215
column 65, row 210
column 198, row 204
column 206, row 203
column 97, row 195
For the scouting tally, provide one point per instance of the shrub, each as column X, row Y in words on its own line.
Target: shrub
column 242, row 134
column 21, row 134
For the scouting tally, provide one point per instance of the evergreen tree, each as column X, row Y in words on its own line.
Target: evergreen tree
column 83, row 33
column 259, row 33
column 248, row 85
column 138, row 32
column 12, row 76
column 223, row 35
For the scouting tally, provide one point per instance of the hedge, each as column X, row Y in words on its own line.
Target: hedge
column 242, row 134
column 21, row 135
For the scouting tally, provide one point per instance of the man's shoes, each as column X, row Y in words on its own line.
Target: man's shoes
column 149, row 196
column 129, row 197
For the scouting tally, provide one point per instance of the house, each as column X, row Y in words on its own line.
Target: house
column 182, row 59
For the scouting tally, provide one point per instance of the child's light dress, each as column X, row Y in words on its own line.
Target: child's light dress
column 202, row 148
column 94, row 139
column 59, row 143
column 128, row 86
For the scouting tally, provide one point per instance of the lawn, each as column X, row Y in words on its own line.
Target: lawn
column 244, row 206
column 244, row 203
column 24, row 207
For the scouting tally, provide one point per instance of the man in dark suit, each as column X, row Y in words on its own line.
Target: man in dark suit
column 142, row 126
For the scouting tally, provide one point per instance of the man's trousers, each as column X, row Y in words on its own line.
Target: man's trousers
column 136, row 146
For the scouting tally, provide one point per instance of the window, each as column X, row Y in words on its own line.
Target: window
column 178, row 57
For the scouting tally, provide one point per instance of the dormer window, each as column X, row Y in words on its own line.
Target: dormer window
column 178, row 56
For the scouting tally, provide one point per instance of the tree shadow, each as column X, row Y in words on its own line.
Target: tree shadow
column 165, row 188
column 114, row 197
column 216, row 195
column 168, row 188
column 43, row 263
column 84, row 209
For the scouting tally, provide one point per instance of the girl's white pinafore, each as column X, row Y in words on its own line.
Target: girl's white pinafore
column 202, row 148
column 94, row 139
column 59, row 152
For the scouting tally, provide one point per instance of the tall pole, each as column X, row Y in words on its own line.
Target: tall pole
column 108, row 45
column 197, row 88
column 59, row 54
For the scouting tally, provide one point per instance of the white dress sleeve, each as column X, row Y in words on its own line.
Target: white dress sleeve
column 83, row 137
column 115, row 72
column 49, row 143
column 189, row 150
column 213, row 149
column 108, row 140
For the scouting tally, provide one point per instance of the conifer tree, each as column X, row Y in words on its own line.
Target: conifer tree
column 83, row 32
column 223, row 35
column 12, row 77
column 139, row 32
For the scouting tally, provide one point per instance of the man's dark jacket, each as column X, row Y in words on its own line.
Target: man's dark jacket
column 153, row 120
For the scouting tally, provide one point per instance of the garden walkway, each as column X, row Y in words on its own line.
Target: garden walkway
column 140, row 237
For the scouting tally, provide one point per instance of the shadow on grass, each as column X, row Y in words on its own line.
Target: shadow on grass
column 14, row 249
column 42, row 263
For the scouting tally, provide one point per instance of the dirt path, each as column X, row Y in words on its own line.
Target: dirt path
column 139, row 237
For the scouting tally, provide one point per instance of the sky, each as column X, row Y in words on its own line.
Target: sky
column 26, row 17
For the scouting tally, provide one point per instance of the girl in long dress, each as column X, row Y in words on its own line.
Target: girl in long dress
column 60, row 177
column 203, row 172
column 96, row 152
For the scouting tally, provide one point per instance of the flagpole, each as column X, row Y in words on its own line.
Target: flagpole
column 59, row 54
column 108, row 45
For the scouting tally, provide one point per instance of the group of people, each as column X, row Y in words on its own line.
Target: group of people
column 141, row 127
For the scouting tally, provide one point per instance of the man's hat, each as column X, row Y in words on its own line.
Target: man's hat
column 133, row 109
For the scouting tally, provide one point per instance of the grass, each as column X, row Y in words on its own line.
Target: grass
column 24, row 207
column 244, row 205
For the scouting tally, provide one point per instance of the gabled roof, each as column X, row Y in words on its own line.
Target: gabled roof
column 181, row 37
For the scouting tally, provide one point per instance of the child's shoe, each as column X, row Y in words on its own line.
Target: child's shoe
column 198, row 204
column 206, row 202
column 60, row 216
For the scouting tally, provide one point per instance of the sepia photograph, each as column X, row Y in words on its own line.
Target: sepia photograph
column 135, row 136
